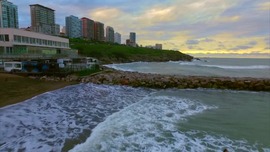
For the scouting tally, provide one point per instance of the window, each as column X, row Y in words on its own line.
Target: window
column 17, row 65
column 50, row 43
column 8, row 65
column 7, row 38
column 32, row 41
column 39, row 41
column 17, row 38
column 45, row 42
column 27, row 39
column 1, row 37
column 23, row 39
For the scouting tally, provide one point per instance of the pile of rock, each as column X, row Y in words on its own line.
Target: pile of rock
column 136, row 79
column 69, row 78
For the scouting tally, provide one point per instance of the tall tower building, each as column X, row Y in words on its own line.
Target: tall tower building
column 132, row 38
column 87, row 28
column 8, row 15
column 99, row 31
column 109, row 34
column 117, row 38
column 73, row 27
column 43, row 20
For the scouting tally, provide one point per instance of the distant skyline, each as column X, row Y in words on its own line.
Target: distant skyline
column 220, row 28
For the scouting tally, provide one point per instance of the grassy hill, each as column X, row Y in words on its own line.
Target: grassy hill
column 115, row 53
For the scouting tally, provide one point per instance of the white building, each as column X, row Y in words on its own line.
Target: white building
column 21, row 42
column 117, row 38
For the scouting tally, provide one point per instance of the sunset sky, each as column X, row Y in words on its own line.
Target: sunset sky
column 220, row 28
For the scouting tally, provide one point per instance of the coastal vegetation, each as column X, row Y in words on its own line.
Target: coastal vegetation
column 116, row 53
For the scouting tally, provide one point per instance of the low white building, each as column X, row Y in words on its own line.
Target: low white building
column 21, row 42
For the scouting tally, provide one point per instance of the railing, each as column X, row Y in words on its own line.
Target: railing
column 36, row 56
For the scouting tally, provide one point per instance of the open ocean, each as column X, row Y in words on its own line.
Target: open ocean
column 107, row 118
column 258, row 68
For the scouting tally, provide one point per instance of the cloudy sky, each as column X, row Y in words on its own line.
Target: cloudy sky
column 222, row 28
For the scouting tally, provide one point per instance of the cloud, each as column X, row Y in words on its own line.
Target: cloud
column 232, row 55
column 207, row 40
column 264, row 6
column 192, row 42
column 241, row 47
column 267, row 41
column 249, row 45
column 190, row 47
column 252, row 43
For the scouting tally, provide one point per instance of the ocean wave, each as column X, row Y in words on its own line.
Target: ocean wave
column 119, row 67
column 44, row 123
column 252, row 67
column 201, row 64
column 152, row 125
column 148, row 125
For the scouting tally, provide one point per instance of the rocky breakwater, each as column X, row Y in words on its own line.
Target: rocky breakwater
column 136, row 79
column 69, row 78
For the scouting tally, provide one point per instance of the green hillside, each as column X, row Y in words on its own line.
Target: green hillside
column 115, row 53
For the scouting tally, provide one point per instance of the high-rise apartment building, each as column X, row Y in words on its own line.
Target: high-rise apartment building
column 109, row 34
column 8, row 15
column 43, row 20
column 132, row 38
column 117, row 38
column 87, row 28
column 73, row 27
column 99, row 31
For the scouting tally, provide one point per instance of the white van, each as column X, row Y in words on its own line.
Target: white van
column 12, row 66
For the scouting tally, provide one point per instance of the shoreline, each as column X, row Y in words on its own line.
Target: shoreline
column 27, row 87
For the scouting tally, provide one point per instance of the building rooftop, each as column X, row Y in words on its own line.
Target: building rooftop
column 41, row 6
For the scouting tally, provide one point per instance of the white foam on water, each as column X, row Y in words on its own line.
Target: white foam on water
column 252, row 67
column 44, row 123
column 151, row 125
column 128, row 119
column 148, row 125
column 231, row 67
column 123, row 66
column 117, row 67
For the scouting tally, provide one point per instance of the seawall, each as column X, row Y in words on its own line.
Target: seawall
column 136, row 79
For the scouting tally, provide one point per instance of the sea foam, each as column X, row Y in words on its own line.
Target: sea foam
column 152, row 125
column 148, row 125
column 44, row 123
